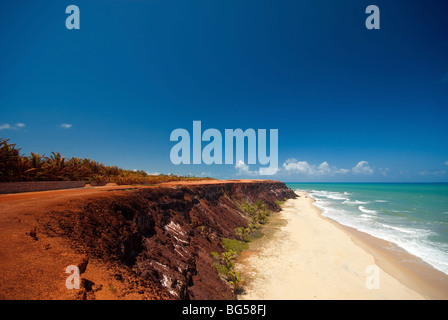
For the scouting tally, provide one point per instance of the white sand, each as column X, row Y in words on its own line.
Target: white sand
column 311, row 258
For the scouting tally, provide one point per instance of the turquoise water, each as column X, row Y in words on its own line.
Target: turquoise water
column 413, row 216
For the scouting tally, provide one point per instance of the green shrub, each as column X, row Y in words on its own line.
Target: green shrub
column 215, row 255
column 224, row 262
column 222, row 269
column 235, row 280
column 234, row 245
column 258, row 214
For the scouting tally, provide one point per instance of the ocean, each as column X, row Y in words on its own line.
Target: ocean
column 412, row 215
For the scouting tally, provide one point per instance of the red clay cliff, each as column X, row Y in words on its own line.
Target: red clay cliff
column 129, row 242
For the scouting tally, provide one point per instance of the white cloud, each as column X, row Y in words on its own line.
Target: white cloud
column 342, row 171
column 303, row 167
column 17, row 126
column 324, row 168
column 433, row 173
column 384, row 171
column 362, row 168
column 66, row 125
column 446, row 163
column 243, row 169
column 293, row 166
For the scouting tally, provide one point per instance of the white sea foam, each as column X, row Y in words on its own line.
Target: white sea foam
column 366, row 210
column 414, row 241
column 366, row 217
column 329, row 195
column 401, row 211
column 355, row 202
column 413, row 231
column 335, row 197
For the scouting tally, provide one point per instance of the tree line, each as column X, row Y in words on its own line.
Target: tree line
column 16, row 167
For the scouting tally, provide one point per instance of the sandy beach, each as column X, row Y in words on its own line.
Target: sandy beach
column 307, row 256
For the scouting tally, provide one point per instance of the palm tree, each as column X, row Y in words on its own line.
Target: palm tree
column 33, row 166
column 235, row 279
column 57, row 160
column 9, row 156
column 36, row 160
column 227, row 258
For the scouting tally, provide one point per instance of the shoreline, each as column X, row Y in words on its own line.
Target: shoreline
column 407, row 268
column 312, row 256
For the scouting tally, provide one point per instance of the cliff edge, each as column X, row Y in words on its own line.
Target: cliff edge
column 131, row 243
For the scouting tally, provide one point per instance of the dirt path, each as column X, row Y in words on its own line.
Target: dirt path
column 32, row 265
column 30, row 259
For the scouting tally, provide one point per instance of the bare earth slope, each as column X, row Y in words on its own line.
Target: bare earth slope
column 129, row 242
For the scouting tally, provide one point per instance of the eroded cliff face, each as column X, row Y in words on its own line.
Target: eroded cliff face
column 164, row 235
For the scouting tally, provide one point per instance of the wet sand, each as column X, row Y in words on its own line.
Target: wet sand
column 307, row 256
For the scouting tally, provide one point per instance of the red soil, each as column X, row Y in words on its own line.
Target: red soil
column 127, row 238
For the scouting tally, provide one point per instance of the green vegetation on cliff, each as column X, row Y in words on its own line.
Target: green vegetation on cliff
column 257, row 215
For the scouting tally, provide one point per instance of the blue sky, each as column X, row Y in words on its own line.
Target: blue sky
column 350, row 104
